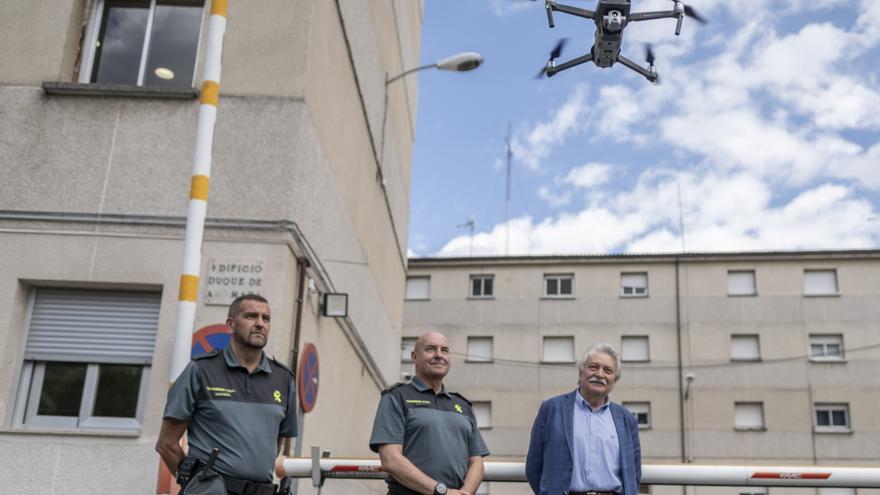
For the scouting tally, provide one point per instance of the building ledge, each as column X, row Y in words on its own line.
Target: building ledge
column 118, row 90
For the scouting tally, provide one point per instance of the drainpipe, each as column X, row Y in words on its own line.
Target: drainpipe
column 680, row 366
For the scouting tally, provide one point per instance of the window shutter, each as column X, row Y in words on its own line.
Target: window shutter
column 741, row 283
column 93, row 326
column 744, row 348
column 634, row 349
column 820, row 282
column 418, row 288
column 479, row 349
column 558, row 349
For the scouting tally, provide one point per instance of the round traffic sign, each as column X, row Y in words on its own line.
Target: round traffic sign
column 208, row 338
column 307, row 377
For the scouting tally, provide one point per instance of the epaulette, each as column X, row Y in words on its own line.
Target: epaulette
column 389, row 389
column 208, row 354
column 462, row 397
column 282, row 366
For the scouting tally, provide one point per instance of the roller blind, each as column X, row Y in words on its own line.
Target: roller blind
column 93, row 326
column 418, row 288
column 479, row 348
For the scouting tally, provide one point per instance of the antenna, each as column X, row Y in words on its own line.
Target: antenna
column 681, row 219
column 470, row 226
column 507, row 196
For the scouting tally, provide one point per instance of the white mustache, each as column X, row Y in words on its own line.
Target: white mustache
column 596, row 380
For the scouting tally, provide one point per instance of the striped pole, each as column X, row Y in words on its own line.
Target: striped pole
column 198, row 203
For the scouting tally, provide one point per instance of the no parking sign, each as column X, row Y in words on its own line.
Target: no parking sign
column 208, row 338
column 307, row 377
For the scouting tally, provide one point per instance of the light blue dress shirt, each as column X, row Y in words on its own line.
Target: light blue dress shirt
column 595, row 449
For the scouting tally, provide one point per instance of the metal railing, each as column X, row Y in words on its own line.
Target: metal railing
column 319, row 468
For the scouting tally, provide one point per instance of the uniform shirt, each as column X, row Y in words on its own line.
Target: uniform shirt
column 438, row 431
column 243, row 414
column 595, row 449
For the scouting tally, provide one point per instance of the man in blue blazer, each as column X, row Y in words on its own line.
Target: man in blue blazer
column 581, row 441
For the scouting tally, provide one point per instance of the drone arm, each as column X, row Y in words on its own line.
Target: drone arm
column 651, row 76
column 648, row 16
column 571, row 63
column 567, row 9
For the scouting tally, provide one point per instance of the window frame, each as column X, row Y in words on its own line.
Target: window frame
column 737, row 427
column 755, row 359
column 635, row 294
column 482, row 278
column 406, row 296
column 557, row 337
column 403, row 340
column 836, row 292
column 825, row 358
column 632, row 338
column 488, row 403
column 491, row 339
column 830, row 407
column 93, row 31
column 647, row 405
column 559, row 277
column 754, row 275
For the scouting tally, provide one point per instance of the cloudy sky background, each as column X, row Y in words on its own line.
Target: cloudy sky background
column 763, row 134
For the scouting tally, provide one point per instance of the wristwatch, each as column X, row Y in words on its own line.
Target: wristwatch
column 439, row 489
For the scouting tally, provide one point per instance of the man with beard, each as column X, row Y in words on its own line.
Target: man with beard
column 427, row 437
column 236, row 400
column 582, row 443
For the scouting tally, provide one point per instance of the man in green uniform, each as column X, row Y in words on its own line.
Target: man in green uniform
column 427, row 437
column 236, row 400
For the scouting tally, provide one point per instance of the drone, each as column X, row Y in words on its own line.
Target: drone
column 611, row 18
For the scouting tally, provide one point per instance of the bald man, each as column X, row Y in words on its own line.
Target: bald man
column 427, row 437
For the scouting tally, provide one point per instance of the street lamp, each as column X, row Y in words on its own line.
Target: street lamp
column 460, row 62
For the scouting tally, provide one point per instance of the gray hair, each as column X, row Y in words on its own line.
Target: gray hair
column 603, row 349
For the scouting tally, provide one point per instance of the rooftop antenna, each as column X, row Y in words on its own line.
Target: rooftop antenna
column 470, row 226
column 681, row 219
column 507, row 195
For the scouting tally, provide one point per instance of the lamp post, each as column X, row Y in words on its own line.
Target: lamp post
column 460, row 62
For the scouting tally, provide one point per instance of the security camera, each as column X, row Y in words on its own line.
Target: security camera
column 689, row 377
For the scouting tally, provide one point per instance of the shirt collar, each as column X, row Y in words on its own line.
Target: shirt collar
column 232, row 361
column 582, row 403
column 421, row 387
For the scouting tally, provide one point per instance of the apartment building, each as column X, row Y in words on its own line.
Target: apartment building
column 728, row 358
column 309, row 196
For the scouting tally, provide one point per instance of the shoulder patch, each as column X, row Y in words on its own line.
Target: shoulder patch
column 215, row 352
column 396, row 385
column 461, row 397
column 281, row 365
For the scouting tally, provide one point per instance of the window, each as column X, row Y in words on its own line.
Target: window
column 483, row 413
column 634, row 348
column 832, row 417
column 142, row 42
column 558, row 285
column 741, row 283
column 418, row 288
column 745, row 348
column 641, row 411
column 634, row 284
column 749, row 416
column 837, row 491
column 820, row 283
column 826, row 347
column 645, row 489
column 407, row 344
column 87, row 359
column 558, row 350
column 482, row 286
column 479, row 349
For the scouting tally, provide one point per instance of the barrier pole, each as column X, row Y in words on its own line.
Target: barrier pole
column 198, row 204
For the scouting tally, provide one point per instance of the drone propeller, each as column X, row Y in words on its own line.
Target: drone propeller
column 554, row 54
column 690, row 12
column 649, row 57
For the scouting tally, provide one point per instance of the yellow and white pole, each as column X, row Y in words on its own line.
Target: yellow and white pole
column 198, row 202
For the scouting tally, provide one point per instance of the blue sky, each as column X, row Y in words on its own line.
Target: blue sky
column 766, row 120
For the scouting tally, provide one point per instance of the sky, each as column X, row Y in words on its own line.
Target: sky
column 761, row 135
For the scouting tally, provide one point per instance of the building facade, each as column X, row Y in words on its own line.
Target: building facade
column 757, row 358
column 309, row 195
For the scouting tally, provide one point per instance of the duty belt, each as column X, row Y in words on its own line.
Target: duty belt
column 245, row 487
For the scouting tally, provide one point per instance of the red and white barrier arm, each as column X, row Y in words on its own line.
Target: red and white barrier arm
column 653, row 474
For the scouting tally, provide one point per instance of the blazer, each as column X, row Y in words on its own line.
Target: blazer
column 549, row 461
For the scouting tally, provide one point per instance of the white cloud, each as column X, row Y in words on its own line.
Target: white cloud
column 588, row 175
column 531, row 146
column 555, row 199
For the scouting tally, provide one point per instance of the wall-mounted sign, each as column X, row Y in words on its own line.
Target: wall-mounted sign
column 211, row 337
column 229, row 278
